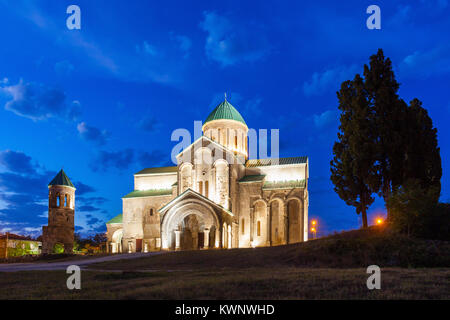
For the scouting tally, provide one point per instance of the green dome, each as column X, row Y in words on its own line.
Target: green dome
column 225, row 111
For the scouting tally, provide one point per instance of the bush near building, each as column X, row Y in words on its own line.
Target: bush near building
column 13, row 245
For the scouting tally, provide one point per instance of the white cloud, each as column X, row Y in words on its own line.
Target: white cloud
column 435, row 61
column 329, row 80
column 38, row 101
column 64, row 68
column 146, row 48
column 326, row 119
column 184, row 44
column 229, row 42
column 93, row 134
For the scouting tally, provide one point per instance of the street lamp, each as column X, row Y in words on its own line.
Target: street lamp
column 379, row 221
column 314, row 228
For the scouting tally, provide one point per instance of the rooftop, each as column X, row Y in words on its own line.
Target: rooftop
column 284, row 184
column 252, row 178
column 12, row 236
column 148, row 193
column 225, row 111
column 61, row 179
column 275, row 161
column 116, row 219
column 158, row 170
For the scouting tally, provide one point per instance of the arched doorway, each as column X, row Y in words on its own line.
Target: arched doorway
column 188, row 226
column 192, row 232
column 116, row 243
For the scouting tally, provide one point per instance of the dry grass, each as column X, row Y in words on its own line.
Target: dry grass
column 329, row 268
column 255, row 283
column 354, row 249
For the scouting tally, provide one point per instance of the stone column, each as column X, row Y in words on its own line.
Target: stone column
column 206, row 239
column 252, row 223
column 165, row 241
column 177, row 239
column 269, row 226
column 286, row 223
column 217, row 237
column 229, row 237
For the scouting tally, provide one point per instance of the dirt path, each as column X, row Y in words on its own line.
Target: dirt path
column 13, row 267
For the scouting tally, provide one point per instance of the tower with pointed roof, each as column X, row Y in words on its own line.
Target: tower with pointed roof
column 226, row 126
column 61, row 212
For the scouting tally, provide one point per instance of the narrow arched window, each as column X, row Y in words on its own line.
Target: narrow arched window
column 151, row 211
column 66, row 202
column 246, row 145
column 206, row 188
column 258, row 229
column 235, row 141
column 243, row 225
column 58, row 200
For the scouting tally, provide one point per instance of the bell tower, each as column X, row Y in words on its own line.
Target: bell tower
column 61, row 212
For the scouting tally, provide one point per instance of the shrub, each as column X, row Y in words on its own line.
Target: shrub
column 415, row 211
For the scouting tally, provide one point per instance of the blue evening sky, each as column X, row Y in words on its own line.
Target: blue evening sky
column 102, row 102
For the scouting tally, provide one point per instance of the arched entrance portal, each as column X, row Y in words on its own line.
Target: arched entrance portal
column 116, row 244
column 189, row 225
column 192, row 235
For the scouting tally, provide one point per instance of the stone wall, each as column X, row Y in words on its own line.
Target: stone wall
column 142, row 222
column 61, row 213
column 271, row 217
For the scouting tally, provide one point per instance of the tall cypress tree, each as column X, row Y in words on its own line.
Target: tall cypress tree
column 422, row 160
column 383, row 143
column 389, row 113
column 353, row 166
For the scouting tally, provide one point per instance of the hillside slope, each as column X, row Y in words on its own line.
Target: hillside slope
column 352, row 249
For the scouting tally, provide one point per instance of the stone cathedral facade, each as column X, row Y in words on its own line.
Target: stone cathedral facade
column 215, row 197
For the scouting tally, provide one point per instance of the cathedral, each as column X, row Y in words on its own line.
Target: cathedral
column 215, row 197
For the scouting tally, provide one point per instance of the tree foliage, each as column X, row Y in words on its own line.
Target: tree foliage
column 352, row 168
column 382, row 142
column 91, row 244
column 414, row 211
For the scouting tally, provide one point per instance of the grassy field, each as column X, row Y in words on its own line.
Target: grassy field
column 253, row 283
column 328, row 268
column 353, row 249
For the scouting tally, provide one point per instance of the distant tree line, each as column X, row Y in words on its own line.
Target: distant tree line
column 91, row 244
column 386, row 147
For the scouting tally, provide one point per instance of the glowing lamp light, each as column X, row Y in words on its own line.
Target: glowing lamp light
column 379, row 221
column 314, row 222
column 313, row 229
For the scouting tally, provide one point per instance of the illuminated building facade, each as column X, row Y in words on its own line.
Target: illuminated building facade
column 215, row 197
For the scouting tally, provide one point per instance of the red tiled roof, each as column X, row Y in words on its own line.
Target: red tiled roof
column 13, row 236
